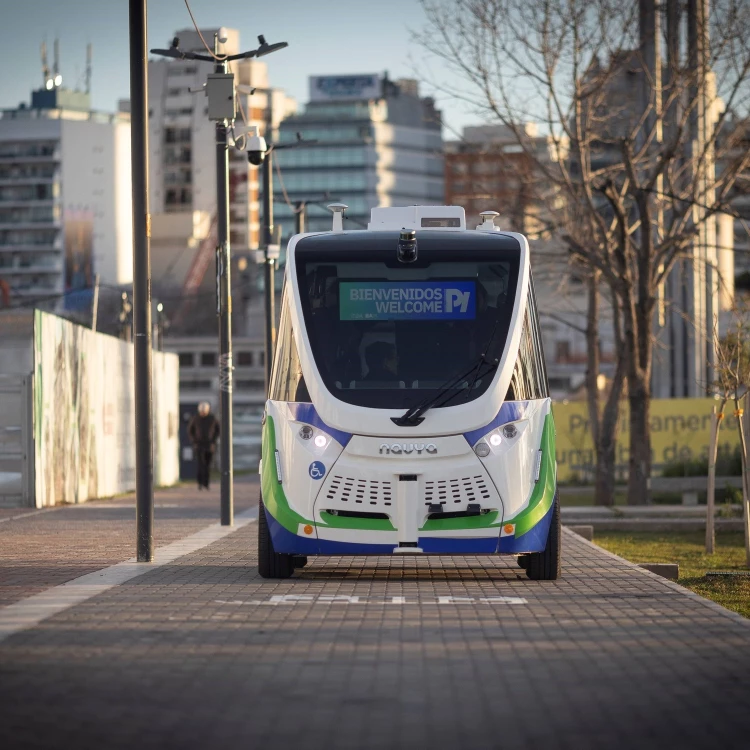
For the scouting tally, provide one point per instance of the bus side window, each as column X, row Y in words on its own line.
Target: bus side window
column 529, row 379
column 287, row 382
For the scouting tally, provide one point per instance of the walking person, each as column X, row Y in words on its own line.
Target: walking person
column 203, row 431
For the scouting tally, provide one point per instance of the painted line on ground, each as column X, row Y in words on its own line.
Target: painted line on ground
column 294, row 599
column 33, row 513
column 31, row 611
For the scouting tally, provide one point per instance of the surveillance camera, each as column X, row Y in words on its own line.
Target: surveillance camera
column 222, row 35
column 407, row 246
column 256, row 148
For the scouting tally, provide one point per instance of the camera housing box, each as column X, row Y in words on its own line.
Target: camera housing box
column 220, row 93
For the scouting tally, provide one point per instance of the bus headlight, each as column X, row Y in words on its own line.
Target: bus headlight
column 482, row 449
column 306, row 432
column 320, row 441
column 510, row 431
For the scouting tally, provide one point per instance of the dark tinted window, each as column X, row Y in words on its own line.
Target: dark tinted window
column 208, row 359
column 529, row 379
column 388, row 335
column 287, row 383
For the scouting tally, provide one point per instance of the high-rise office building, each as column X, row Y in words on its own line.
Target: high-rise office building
column 182, row 166
column 65, row 210
column 377, row 143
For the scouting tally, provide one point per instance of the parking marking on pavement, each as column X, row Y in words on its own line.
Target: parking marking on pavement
column 345, row 599
column 31, row 611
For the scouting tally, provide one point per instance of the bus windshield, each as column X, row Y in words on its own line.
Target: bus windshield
column 387, row 335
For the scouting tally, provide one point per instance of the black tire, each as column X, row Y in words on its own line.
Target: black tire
column 523, row 561
column 545, row 566
column 271, row 564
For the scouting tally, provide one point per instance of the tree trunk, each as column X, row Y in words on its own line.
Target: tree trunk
column 604, row 480
column 710, row 494
column 639, row 467
column 604, row 472
column 745, row 478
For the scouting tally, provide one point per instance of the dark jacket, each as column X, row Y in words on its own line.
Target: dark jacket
column 203, row 431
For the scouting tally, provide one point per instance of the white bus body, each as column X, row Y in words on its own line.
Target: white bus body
column 408, row 410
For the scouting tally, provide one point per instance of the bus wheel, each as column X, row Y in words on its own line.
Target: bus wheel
column 523, row 561
column 545, row 566
column 270, row 564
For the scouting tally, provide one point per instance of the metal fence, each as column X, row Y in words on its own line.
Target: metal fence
column 16, row 441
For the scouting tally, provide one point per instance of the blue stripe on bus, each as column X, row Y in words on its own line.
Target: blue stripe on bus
column 306, row 413
column 535, row 540
column 510, row 411
column 285, row 542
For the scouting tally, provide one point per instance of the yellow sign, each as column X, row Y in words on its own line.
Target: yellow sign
column 680, row 431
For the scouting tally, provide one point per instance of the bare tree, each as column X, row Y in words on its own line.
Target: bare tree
column 732, row 384
column 636, row 183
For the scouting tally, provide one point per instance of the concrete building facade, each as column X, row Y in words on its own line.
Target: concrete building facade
column 65, row 211
column 182, row 165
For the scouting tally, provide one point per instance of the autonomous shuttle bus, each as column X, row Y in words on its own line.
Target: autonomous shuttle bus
column 409, row 410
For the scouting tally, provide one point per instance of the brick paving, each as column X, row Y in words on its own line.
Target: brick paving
column 44, row 548
column 414, row 652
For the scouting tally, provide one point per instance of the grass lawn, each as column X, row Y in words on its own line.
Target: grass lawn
column 687, row 548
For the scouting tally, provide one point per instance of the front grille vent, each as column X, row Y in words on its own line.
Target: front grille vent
column 462, row 490
column 359, row 491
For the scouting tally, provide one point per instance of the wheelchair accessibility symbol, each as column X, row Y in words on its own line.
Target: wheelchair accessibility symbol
column 317, row 470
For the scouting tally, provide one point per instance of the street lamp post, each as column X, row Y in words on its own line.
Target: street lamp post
column 144, row 456
column 269, row 266
column 220, row 90
column 263, row 152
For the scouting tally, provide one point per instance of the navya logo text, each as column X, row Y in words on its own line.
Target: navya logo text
column 407, row 448
column 411, row 300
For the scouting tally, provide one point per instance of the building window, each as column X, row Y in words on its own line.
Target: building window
column 186, row 359
column 208, row 359
column 245, row 359
column 562, row 351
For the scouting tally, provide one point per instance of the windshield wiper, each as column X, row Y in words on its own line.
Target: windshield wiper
column 413, row 416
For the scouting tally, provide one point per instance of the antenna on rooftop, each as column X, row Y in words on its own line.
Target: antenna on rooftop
column 88, row 68
column 45, row 65
column 56, row 77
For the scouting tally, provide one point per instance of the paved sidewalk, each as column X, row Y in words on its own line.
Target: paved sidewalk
column 381, row 653
column 44, row 548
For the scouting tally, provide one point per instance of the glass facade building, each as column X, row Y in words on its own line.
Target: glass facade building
column 378, row 143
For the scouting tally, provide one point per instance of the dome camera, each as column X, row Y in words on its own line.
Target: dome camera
column 256, row 148
column 222, row 35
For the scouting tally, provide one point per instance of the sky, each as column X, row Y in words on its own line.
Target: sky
column 325, row 37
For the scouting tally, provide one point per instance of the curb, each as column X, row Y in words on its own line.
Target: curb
column 727, row 613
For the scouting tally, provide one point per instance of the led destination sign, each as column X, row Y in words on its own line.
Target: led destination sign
column 407, row 300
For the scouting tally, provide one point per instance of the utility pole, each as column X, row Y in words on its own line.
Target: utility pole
column 300, row 217
column 95, row 304
column 224, row 303
column 125, row 310
column 144, row 457
column 220, row 90
column 264, row 151
column 269, row 276
column 160, row 327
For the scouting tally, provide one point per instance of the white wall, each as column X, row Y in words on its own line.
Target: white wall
column 84, row 414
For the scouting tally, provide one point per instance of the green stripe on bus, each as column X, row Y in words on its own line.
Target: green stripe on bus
column 544, row 490
column 273, row 493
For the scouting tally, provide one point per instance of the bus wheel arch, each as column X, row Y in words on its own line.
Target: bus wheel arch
column 545, row 565
column 271, row 564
